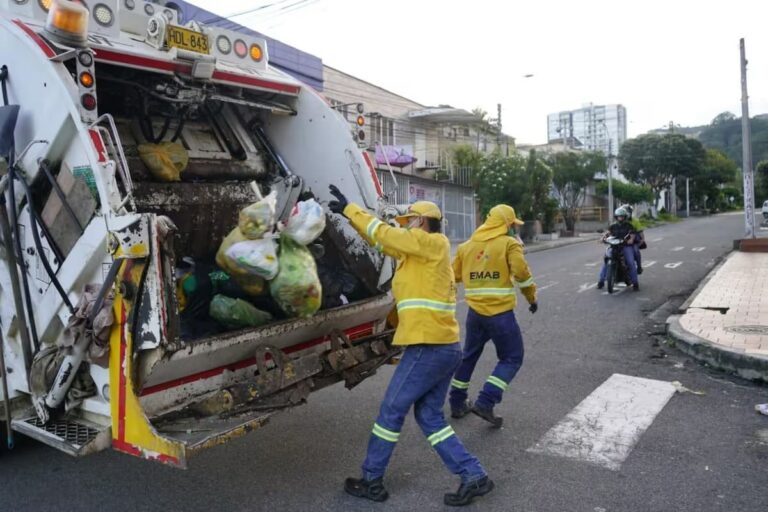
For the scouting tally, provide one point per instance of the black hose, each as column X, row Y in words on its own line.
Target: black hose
column 179, row 127
column 41, row 253
column 19, row 254
column 3, row 78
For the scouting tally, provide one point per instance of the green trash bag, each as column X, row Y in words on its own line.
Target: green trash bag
column 236, row 313
column 296, row 289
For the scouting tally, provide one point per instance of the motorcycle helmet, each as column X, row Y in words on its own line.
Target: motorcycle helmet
column 620, row 212
column 630, row 210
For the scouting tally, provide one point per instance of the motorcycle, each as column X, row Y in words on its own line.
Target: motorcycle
column 616, row 264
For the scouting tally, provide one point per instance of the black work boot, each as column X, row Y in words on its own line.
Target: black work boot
column 369, row 489
column 639, row 269
column 488, row 415
column 469, row 491
column 600, row 285
column 462, row 410
column 635, row 287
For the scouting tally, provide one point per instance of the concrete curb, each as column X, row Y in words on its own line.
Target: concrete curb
column 685, row 305
column 575, row 240
column 748, row 367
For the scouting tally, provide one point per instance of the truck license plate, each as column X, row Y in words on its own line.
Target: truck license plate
column 179, row 37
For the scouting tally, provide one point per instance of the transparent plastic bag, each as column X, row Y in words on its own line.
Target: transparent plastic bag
column 296, row 289
column 255, row 257
column 236, row 313
column 165, row 161
column 259, row 218
column 252, row 284
column 306, row 222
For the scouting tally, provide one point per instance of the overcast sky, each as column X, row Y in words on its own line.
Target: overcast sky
column 664, row 60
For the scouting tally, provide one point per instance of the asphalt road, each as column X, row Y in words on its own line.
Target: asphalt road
column 702, row 452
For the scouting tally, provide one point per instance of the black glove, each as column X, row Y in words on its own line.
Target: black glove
column 533, row 307
column 340, row 203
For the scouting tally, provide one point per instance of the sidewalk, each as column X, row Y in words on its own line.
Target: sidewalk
column 554, row 244
column 725, row 321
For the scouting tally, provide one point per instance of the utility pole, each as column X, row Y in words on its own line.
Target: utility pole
column 687, row 197
column 498, row 125
column 746, row 148
column 610, row 178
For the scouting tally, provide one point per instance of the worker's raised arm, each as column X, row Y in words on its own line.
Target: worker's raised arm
column 398, row 240
column 518, row 267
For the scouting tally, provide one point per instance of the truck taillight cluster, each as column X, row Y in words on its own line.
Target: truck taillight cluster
column 226, row 47
column 86, row 84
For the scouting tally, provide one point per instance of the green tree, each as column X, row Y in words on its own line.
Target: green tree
column 708, row 182
column 571, row 174
column 540, row 178
column 761, row 182
column 725, row 134
column 503, row 179
column 629, row 193
column 655, row 160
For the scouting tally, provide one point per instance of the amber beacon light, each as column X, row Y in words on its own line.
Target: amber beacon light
column 68, row 22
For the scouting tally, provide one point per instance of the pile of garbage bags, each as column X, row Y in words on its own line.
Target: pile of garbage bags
column 263, row 271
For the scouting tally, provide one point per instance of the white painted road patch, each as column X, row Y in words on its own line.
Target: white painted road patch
column 698, row 249
column 605, row 427
column 649, row 264
column 677, row 249
column 585, row 287
column 673, row 265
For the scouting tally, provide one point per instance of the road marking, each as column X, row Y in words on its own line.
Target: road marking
column 649, row 263
column 698, row 249
column 617, row 290
column 605, row 427
column 592, row 264
column 658, row 239
column 673, row 265
column 676, row 249
column 586, row 287
column 550, row 285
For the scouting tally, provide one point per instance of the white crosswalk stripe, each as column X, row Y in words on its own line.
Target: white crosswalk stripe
column 678, row 249
column 605, row 427
column 648, row 264
column 673, row 265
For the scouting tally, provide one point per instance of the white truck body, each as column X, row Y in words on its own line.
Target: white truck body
column 161, row 396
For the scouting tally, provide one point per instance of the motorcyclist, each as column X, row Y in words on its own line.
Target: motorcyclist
column 623, row 230
column 639, row 238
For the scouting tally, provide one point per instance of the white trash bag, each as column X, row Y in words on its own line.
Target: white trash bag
column 257, row 219
column 255, row 257
column 306, row 222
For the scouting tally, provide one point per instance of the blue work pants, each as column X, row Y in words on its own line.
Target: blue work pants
column 421, row 380
column 507, row 338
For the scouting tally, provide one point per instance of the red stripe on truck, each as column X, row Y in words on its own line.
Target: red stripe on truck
column 176, row 67
column 47, row 50
column 353, row 333
column 374, row 176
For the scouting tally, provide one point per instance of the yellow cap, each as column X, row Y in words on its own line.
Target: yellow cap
column 507, row 213
column 420, row 209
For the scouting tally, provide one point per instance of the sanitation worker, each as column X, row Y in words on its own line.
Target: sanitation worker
column 489, row 264
column 424, row 290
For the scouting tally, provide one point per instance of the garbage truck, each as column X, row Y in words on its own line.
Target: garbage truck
column 96, row 350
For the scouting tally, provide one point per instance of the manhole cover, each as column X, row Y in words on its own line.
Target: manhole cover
column 749, row 329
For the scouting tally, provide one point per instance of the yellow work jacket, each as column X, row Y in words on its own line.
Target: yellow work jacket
column 423, row 287
column 489, row 270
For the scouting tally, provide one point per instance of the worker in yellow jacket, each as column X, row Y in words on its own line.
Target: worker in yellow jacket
column 425, row 293
column 489, row 264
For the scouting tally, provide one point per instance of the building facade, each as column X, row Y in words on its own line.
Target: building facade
column 411, row 146
column 593, row 127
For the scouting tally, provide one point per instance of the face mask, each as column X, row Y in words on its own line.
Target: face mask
column 415, row 223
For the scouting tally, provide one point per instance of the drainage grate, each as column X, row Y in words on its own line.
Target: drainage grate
column 72, row 432
column 757, row 330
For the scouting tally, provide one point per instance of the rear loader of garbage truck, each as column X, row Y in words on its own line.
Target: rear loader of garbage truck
column 125, row 319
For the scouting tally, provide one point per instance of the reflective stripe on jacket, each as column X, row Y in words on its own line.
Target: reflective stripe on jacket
column 424, row 286
column 489, row 270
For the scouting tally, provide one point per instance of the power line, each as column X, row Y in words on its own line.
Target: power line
column 243, row 13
